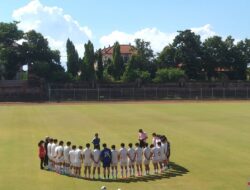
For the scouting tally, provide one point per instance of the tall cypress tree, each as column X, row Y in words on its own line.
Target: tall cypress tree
column 100, row 68
column 88, row 70
column 72, row 58
column 117, row 62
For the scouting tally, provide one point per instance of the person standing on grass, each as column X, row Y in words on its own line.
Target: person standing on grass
column 49, row 154
column 147, row 155
column 123, row 160
column 114, row 162
column 42, row 153
column 87, row 160
column 96, row 141
column 106, row 158
column 72, row 158
column 46, row 159
column 138, row 160
column 96, row 161
column 142, row 137
column 131, row 160
column 66, row 163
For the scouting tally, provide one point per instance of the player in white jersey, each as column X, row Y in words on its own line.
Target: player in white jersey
column 78, row 161
column 138, row 158
column 66, row 159
column 131, row 160
column 49, row 154
column 147, row 155
column 155, row 154
column 114, row 161
column 53, row 153
column 87, row 161
column 96, row 160
column 72, row 160
column 165, row 148
column 161, row 156
column 59, row 157
column 123, row 160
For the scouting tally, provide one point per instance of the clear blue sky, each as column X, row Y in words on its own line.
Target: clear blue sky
column 103, row 16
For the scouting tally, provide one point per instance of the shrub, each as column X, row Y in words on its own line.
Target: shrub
column 168, row 75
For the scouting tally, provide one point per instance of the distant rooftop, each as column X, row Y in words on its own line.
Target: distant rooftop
column 125, row 49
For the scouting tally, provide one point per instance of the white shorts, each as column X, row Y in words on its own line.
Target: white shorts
column 78, row 164
column 87, row 164
column 123, row 163
column 59, row 160
column 131, row 163
column 114, row 164
column 96, row 164
column 138, row 162
column 146, row 161
column 66, row 161
column 155, row 161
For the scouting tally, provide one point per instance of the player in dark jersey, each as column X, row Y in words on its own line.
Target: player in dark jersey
column 106, row 157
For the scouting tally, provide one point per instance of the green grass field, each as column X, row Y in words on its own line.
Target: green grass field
column 210, row 142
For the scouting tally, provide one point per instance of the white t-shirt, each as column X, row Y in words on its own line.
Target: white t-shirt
column 66, row 150
column 138, row 152
column 53, row 149
column 123, row 154
column 114, row 154
column 96, row 155
column 157, row 140
column 78, row 155
column 87, row 155
column 147, row 153
column 49, row 149
column 59, row 151
column 131, row 154
column 72, row 156
column 156, row 153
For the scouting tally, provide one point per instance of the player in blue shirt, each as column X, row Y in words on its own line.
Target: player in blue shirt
column 106, row 157
column 96, row 141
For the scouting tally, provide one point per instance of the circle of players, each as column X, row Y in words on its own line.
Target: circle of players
column 67, row 159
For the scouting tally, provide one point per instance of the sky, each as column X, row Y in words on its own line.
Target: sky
column 106, row 21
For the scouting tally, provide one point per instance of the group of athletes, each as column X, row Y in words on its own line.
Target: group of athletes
column 67, row 159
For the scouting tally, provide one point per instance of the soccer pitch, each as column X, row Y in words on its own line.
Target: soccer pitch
column 209, row 142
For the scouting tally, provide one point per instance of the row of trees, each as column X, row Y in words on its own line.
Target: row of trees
column 187, row 57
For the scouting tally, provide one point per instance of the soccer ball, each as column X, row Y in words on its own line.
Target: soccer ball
column 103, row 188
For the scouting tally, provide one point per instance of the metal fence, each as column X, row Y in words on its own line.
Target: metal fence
column 102, row 94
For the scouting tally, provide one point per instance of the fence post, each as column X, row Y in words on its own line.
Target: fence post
column 156, row 92
column 74, row 94
column 133, row 93
column 201, row 93
column 223, row 93
column 86, row 94
column 247, row 93
column 189, row 89
column 212, row 93
column 98, row 94
column 110, row 93
column 235, row 92
column 49, row 93
column 144, row 93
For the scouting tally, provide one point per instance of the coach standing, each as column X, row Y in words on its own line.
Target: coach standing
column 142, row 137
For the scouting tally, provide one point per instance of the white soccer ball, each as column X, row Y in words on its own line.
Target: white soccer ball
column 103, row 188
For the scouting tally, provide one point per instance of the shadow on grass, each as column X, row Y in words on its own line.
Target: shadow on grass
column 174, row 171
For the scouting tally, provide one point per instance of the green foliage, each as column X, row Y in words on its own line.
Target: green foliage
column 72, row 59
column 88, row 70
column 118, row 65
column 168, row 75
column 100, row 68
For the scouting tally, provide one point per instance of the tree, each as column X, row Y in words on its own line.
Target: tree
column 99, row 72
column 167, row 57
column 72, row 59
column 10, row 52
column 188, row 53
column 117, row 62
column 42, row 61
column 168, row 75
column 214, row 56
column 141, row 61
column 88, row 70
